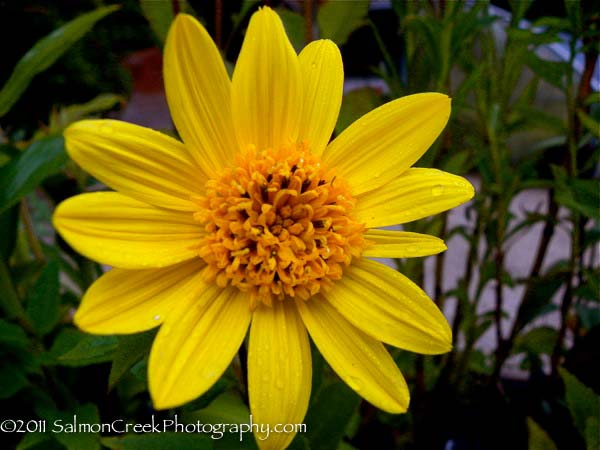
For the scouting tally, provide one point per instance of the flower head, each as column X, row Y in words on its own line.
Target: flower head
column 256, row 221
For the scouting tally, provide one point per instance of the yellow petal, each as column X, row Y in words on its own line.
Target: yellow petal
column 279, row 371
column 196, row 344
column 388, row 306
column 129, row 301
column 266, row 87
column 136, row 161
column 122, row 232
column 385, row 142
column 415, row 194
column 361, row 361
column 199, row 94
column 323, row 82
column 401, row 244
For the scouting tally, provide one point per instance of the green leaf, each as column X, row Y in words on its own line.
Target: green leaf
column 9, row 220
column 539, row 297
column 65, row 426
column 294, row 26
column 538, row 438
column 589, row 122
column 12, row 335
column 579, row 195
column 581, row 400
column 162, row 441
column 227, row 408
column 337, row 19
column 325, row 430
column 592, row 433
column 160, row 15
column 12, row 380
column 130, row 350
column 43, row 302
column 90, row 350
column 553, row 72
column 539, row 340
column 24, row 173
column 589, row 316
column 69, row 114
column 355, row 104
column 45, row 52
column 37, row 441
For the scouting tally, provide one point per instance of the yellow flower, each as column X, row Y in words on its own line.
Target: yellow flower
column 256, row 221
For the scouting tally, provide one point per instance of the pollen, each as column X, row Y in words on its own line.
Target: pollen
column 278, row 225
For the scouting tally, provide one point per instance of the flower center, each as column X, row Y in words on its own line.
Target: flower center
column 278, row 225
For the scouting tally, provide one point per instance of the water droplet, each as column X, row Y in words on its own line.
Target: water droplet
column 437, row 190
column 156, row 317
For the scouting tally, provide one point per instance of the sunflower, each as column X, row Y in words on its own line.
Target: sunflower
column 256, row 221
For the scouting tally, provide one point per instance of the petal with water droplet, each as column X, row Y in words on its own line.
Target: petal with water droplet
column 388, row 306
column 360, row 360
column 401, row 244
column 411, row 197
column 279, row 379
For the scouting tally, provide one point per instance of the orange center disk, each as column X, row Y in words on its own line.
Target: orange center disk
column 278, row 225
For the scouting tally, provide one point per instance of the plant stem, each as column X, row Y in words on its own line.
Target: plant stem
column 34, row 243
column 308, row 21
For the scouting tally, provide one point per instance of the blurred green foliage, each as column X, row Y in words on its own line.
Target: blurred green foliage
column 67, row 68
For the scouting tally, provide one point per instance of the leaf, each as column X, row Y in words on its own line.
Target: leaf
column 9, row 220
column 45, row 52
column 337, row 19
column 89, row 350
column 156, row 441
column 69, row 114
column 325, row 430
column 160, row 15
column 65, row 426
column 552, row 72
column 12, row 380
column 227, row 408
column 25, row 172
column 539, row 340
column 130, row 350
column 43, row 303
column 589, row 122
column 294, row 27
column 355, row 104
column 592, row 433
column 538, row 438
column 12, row 335
column 581, row 400
column 579, row 195
column 539, row 297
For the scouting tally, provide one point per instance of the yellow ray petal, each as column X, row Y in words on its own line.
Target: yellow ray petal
column 385, row 142
column 130, row 301
column 279, row 370
column 401, row 244
column 415, row 194
column 142, row 163
column 388, row 306
column 266, row 87
column 323, row 82
column 361, row 361
column 199, row 94
column 116, row 230
column 196, row 343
